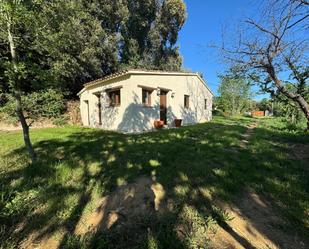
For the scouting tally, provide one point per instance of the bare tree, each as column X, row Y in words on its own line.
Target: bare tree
column 274, row 46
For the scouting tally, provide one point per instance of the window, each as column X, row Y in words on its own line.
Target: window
column 205, row 104
column 186, row 101
column 146, row 97
column 114, row 98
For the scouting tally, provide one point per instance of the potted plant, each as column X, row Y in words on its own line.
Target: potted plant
column 177, row 122
column 158, row 124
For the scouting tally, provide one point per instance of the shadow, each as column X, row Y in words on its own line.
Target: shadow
column 241, row 240
column 87, row 171
column 198, row 111
column 108, row 113
column 189, row 116
column 139, row 118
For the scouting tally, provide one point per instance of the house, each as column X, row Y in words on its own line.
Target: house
column 131, row 100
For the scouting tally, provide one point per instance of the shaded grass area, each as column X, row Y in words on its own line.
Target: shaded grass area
column 195, row 165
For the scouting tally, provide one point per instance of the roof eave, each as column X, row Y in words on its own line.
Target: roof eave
column 81, row 91
column 204, row 82
column 140, row 72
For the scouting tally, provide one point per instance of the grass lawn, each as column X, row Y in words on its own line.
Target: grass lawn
column 197, row 169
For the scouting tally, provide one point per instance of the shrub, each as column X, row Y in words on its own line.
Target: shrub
column 7, row 118
column 61, row 121
column 47, row 104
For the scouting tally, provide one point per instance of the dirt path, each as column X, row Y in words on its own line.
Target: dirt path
column 246, row 136
column 7, row 127
column 122, row 206
column 255, row 223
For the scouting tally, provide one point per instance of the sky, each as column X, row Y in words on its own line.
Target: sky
column 203, row 28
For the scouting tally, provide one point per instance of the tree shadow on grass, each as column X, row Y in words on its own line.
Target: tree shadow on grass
column 191, row 164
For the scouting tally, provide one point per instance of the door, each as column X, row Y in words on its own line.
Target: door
column 88, row 115
column 163, row 109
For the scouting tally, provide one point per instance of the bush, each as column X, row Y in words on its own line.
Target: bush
column 42, row 104
column 219, row 113
column 61, row 121
column 7, row 118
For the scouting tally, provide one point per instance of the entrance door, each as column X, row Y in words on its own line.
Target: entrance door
column 163, row 108
column 88, row 115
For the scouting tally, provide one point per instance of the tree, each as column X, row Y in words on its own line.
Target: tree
column 287, row 108
column 171, row 19
column 150, row 34
column 84, row 40
column 234, row 93
column 265, row 105
column 75, row 45
column 16, row 32
column 277, row 46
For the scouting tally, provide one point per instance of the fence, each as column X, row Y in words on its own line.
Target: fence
column 258, row 114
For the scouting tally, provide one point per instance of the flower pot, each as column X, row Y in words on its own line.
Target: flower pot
column 178, row 122
column 158, row 124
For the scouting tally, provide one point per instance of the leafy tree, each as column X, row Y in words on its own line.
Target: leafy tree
column 171, row 19
column 265, row 105
column 84, row 40
column 235, row 93
column 150, row 34
column 135, row 31
column 287, row 108
column 78, row 48
column 17, row 21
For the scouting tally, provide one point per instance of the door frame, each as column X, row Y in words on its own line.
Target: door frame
column 163, row 106
column 88, row 114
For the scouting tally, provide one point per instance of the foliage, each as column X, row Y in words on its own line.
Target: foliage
column 284, row 107
column 48, row 104
column 235, row 93
column 265, row 105
column 67, row 43
column 221, row 216
column 77, row 166
column 61, row 121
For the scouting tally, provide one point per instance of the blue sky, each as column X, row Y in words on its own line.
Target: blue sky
column 203, row 27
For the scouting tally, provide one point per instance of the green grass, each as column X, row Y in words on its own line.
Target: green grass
column 195, row 165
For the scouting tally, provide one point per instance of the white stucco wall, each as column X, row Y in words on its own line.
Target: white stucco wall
column 133, row 116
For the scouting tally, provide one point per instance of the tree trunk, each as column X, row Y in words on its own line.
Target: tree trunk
column 24, row 126
column 302, row 103
column 17, row 96
column 304, row 106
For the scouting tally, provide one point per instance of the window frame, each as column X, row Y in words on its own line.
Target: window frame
column 186, row 101
column 99, row 105
column 112, row 95
column 148, row 97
